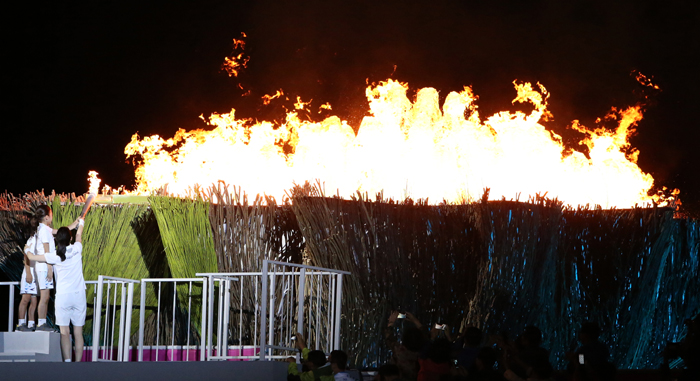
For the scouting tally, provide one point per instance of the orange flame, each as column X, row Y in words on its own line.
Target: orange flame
column 267, row 98
column 233, row 65
column 405, row 149
column 94, row 182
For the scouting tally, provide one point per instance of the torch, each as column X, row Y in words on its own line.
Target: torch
column 94, row 188
column 87, row 205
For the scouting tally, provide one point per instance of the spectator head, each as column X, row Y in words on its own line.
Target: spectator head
column 486, row 358
column 317, row 359
column 338, row 360
column 387, row 372
column 473, row 337
column 589, row 332
column 439, row 351
column 412, row 339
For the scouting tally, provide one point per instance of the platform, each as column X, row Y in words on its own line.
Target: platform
column 150, row 371
column 30, row 347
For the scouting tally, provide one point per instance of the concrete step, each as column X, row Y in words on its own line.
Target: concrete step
column 30, row 347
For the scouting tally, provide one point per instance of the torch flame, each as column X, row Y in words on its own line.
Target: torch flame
column 94, row 182
column 405, row 149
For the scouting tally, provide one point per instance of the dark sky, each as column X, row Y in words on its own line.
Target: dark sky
column 80, row 79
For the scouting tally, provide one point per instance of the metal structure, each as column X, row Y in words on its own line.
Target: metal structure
column 287, row 298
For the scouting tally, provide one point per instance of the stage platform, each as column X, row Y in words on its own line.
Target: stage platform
column 150, row 371
column 30, row 347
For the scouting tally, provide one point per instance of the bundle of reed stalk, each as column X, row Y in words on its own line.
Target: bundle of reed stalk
column 14, row 218
column 244, row 235
column 502, row 265
column 498, row 265
column 189, row 247
column 111, row 246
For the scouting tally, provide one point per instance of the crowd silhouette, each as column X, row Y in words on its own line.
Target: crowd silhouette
column 437, row 353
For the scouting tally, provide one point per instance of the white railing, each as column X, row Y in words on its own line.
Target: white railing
column 12, row 287
column 11, row 304
column 169, row 351
column 319, row 293
column 110, row 316
column 103, row 343
column 223, row 313
column 271, row 307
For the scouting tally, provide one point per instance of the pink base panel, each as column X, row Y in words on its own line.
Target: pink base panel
column 169, row 354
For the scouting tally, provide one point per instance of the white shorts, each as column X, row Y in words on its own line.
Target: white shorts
column 71, row 308
column 28, row 288
column 44, row 284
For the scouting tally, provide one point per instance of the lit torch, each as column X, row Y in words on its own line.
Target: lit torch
column 93, row 189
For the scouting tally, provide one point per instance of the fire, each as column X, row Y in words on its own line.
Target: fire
column 238, row 61
column 405, row 149
column 94, row 182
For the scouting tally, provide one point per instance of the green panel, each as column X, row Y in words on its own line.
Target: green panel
column 187, row 235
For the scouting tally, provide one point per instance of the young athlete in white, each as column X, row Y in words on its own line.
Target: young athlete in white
column 28, row 290
column 71, row 304
column 44, row 272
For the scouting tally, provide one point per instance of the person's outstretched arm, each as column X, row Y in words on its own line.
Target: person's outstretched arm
column 72, row 226
column 79, row 234
column 33, row 257
column 27, row 269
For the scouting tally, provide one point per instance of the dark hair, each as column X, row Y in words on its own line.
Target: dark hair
column 63, row 238
column 488, row 357
column 439, row 351
column 317, row 358
column 340, row 359
column 473, row 336
column 413, row 339
column 39, row 214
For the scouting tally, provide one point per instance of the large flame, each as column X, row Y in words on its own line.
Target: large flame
column 405, row 149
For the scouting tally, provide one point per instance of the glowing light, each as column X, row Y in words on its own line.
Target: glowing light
column 405, row 149
column 94, row 182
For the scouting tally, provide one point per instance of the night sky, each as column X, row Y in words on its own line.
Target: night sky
column 80, row 79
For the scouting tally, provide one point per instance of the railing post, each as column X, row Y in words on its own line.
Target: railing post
column 271, row 317
column 339, row 299
column 210, row 323
column 122, row 323
column 129, row 310
column 142, row 318
column 226, row 317
column 263, row 312
column 205, row 318
column 300, row 296
column 11, row 313
column 98, row 317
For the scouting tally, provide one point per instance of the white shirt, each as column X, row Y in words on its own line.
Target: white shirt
column 45, row 234
column 30, row 248
column 69, row 273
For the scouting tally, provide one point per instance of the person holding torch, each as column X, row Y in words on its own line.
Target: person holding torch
column 71, row 304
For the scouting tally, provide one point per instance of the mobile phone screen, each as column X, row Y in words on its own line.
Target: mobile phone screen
column 581, row 359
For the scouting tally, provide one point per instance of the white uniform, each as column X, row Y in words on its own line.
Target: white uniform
column 71, row 304
column 29, row 288
column 45, row 235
